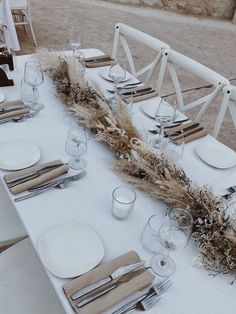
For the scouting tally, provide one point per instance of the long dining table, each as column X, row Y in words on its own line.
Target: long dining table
column 89, row 200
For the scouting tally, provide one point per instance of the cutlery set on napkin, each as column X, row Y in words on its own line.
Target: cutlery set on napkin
column 185, row 131
column 39, row 178
column 100, row 61
column 14, row 111
column 139, row 93
column 109, row 284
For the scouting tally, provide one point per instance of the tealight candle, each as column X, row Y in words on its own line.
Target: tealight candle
column 123, row 200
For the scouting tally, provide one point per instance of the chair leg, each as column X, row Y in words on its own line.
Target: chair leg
column 32, row 32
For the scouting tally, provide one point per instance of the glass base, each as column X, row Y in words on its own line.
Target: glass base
column 160, row 143
column 112, row 102
column 36, row 106
column 77, row 164
column 173, row 155
column 162, row 265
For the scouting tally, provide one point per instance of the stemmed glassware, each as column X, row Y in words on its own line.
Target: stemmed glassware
column 76, row 146
column 165, row 115
column 174, row 235
column 117, row 73
column 74, row 41
column 33, row 76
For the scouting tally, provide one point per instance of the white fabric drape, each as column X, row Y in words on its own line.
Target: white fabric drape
column 10, row 31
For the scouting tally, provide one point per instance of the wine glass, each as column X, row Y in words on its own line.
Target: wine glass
column 174, row 235
column 74, row 41
column 76, row 146
column 117, row 73
column 164, row 115
column 33, row 76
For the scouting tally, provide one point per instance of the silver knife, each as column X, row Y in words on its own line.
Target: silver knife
column 121, row 271
column 28, row 176
column 11, row 108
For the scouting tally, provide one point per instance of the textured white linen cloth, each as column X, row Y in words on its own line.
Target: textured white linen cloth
column 89, row 200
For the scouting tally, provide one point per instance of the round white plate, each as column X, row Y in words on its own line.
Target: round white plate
column 150, row 109
column 71, row 249
column 216, row 155
column 18, row 154
column 104, row 73
column 2, row 97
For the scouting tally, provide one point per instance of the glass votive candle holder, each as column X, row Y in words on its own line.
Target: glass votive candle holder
column 123, row 199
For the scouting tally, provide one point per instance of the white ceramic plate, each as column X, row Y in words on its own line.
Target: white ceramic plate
column 2, row 97
column 104, row 73
column 150, row 109
column 18, row 154
column 216, row 155
column 71, row 249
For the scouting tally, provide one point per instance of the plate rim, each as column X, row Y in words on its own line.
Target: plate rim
column 3, row 97
column 57, row 227
column 29, row 164
column 218, row 166
column 110, row 80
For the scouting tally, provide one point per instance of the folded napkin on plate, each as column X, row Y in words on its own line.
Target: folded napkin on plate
column 116, row 295
column 17, row 102
column 51, row 174
column 140, row 97
column 100, row 61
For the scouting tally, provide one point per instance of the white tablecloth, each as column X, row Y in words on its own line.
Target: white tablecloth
column 89, row 200
column 7, row 19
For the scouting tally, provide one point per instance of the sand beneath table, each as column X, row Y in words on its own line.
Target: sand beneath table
column 210, row 42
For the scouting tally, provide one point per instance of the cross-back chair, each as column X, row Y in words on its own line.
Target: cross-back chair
column 124, row 32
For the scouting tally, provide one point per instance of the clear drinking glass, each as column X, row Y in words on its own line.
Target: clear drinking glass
column 74, row 41
column 150, row 235
column 117, row 73
column 76, row 146
column 123, row 199
column 174, row 235
column 165, row 115
column 33, row 76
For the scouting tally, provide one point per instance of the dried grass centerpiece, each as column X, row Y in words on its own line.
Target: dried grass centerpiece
column 213, row 232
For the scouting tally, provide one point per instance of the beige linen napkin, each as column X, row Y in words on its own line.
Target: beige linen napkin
column 52, row 174
column 148, row 95
column 17, row 102
column 192, row 137
column 14, row 113
column 116, row 295
column 100, row 61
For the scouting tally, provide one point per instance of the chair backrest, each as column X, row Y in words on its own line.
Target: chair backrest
column 124, row 32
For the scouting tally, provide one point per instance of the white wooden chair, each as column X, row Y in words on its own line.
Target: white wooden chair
column 177, row 60
column 22, row 15
column 229, row 101
column 124, row 32
column 24, row 285
column 11, row 228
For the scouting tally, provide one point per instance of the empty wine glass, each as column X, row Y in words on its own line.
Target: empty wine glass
column 33, row 76
column 117, row 73
column 174, row 235
column 76, row 146
column 74, row 41
column 165, row 115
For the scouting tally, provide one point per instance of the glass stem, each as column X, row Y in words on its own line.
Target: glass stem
column 164, row 258
column 77, row 158
column 34, row 95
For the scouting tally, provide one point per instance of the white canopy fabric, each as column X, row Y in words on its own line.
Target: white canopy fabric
column 7, row 35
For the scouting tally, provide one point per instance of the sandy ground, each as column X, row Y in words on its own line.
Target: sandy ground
column 210, row 42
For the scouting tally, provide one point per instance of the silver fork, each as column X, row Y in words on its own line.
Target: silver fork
column 155, row 290
column 62, row 185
